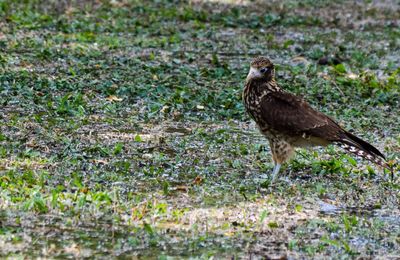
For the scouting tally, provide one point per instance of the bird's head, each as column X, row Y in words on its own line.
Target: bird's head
column 261, row 68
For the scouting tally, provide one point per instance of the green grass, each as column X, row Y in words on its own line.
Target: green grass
column 123, row 132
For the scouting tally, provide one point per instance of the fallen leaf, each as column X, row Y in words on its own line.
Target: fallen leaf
column 164, row 109
column 352, row 76
column 113, row 98
column 99, row 161
column 300, row 59
column 198, row 180
column 181, row 188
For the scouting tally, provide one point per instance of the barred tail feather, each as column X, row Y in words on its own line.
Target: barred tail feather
column 364, row 145
column 371, row 156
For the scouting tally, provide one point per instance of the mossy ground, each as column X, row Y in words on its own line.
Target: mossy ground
column 123, row 131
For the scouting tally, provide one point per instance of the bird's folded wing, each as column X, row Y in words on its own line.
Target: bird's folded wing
column 292, row 115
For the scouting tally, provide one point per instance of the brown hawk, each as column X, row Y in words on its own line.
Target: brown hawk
column 288, row 121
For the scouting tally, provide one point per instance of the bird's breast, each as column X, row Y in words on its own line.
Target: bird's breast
column 252, row 99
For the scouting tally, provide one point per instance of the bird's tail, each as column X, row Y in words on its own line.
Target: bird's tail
column 361, row 148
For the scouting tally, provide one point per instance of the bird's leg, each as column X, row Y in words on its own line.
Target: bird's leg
column 277, row 164
column 275, row 171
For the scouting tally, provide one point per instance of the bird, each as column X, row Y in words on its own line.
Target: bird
column 288, row 121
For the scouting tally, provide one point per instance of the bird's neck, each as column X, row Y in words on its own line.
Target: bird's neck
column 261, row 85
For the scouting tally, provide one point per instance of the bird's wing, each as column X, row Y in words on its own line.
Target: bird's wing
column 292, row 115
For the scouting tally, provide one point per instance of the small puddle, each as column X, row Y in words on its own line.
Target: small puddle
column 178, row 130
column 390, row 216
column 330, row 209
column 99, row 239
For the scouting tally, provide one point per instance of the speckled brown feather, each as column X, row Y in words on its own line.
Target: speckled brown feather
column 289, row 121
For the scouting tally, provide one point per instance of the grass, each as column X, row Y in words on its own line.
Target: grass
column 123, row 132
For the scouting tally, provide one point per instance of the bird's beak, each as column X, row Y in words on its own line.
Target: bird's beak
column 253, row 73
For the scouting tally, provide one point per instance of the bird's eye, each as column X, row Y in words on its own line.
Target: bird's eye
column 263, row 70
